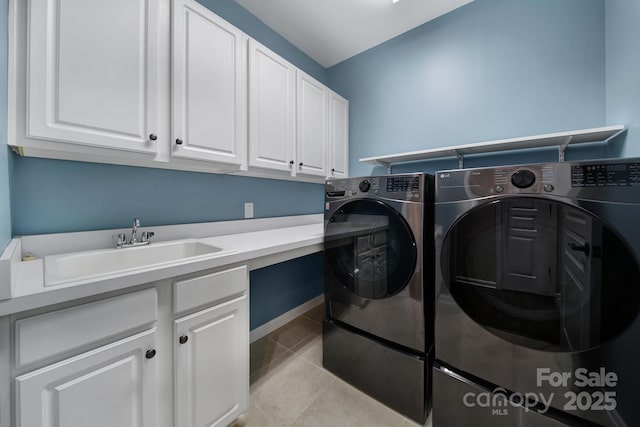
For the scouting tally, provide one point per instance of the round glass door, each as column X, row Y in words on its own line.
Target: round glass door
column 370, row 249
column 542, row 274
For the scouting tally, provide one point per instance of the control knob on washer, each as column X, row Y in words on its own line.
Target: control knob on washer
column 523, row 178
column 364, row 186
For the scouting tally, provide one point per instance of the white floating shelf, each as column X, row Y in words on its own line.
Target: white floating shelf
column 561, row 140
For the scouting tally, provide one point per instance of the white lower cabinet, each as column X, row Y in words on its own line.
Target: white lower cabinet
column 111, row 386
column 173, row 354
column 212, row 365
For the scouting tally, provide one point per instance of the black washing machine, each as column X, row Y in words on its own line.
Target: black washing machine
column 537, row 295
column 378, row 333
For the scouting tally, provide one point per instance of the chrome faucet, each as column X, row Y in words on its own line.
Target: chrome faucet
column 145, row 238
column 134, row 231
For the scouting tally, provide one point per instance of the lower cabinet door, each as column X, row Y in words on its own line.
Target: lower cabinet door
column 212, row 365
column 110, row 386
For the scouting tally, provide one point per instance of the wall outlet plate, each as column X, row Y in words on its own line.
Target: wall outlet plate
column 248, row 210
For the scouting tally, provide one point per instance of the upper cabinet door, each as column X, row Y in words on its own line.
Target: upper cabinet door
column 338, row 136
column 312, row 126
column 92, row 68
column 209, row 86
column 271, row 109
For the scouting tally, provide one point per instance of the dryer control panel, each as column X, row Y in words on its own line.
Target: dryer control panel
column 605, row 175
column 612, row 180
column 531, row 179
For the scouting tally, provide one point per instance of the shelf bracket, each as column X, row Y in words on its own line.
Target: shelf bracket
column 386, row 165
column 562, row 147
column 460, row 160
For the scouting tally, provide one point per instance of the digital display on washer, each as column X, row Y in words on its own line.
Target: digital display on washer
column 605, row 175
column 402, row 184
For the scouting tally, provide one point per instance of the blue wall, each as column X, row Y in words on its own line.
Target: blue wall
column 5, row 206
column 61, row 196
column 623, row 70
column 272, row 294
column 489, row 70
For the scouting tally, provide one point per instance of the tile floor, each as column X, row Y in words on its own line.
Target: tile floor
column 289, row 386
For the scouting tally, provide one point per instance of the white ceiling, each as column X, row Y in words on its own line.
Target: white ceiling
column 331, row 31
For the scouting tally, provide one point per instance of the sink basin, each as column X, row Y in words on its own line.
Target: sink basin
column 80, row 265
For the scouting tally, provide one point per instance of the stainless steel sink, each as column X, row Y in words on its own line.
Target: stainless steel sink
column 59, row 269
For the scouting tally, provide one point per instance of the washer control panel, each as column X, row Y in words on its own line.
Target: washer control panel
column 408, row 187
column 403, row 184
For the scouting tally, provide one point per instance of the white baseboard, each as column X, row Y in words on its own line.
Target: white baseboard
column 284, row 318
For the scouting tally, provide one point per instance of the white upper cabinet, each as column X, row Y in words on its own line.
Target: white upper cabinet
column 271, row 110
column 91, row 74
column 209, row 107
column 297, row 125
column 338, row 136
column 165, row 84
column 312, row 126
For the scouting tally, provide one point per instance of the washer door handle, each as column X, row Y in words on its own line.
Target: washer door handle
column 581, row 248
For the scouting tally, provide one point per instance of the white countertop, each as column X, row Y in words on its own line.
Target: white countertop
column 257, row 248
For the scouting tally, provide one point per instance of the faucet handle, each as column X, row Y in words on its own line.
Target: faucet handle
column 122, row 239
column 147, row 235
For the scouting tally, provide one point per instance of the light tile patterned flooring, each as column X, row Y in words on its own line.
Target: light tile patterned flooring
column 289, row 386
